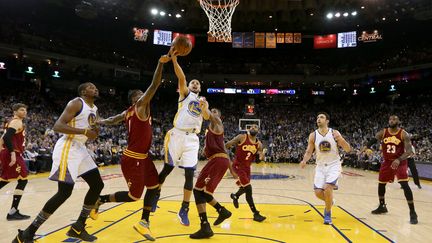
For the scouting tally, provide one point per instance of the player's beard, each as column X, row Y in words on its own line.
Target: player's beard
column 253, row 133
column 393, row 126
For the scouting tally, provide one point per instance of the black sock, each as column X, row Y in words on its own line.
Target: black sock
column 203, row 218
column 37, row 222
column 218, row 207
column 84, row 213
column 104, row 198
column 382, row 201
column 15, row 202
column 185, row 204
column 146, row 214
column 381, row 193
column 249, row 198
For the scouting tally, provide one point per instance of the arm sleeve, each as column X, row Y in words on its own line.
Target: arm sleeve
column 7, row 138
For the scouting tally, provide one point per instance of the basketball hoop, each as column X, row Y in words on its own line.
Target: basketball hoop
column 219, row 13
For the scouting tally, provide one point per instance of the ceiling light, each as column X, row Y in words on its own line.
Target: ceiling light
column 345, row 14
column 169, row 15
column 182, row 10
column 329, row 15
column 154, row 11
column 162, row 13
column 178, row 16
column 384, row 18
column 354, row 13
column 337, row 15
column 362, row 7
column 311, row 14
column 270, row 16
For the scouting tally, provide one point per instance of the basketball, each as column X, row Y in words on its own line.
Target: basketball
column 182, row 45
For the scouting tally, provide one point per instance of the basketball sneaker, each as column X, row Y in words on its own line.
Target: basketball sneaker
column 327, row 217
column 23, row 237
column 143, row 227
column 380, row 210
column 258, row 217
column 235, row 200
column 413, row 218
column 154, row 205
column 94, row 213
column 77, row 231
column 204, row 232
column 183, row 216
column 223, row 214
column 17, row 216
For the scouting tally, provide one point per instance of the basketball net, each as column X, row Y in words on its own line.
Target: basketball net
column 219, row 13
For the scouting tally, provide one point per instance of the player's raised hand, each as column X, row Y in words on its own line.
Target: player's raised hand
column 164, row 59
column 203, row 104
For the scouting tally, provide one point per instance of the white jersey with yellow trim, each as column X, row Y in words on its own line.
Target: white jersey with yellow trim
column 326, row 148
column 85, row 119
column 189, row 115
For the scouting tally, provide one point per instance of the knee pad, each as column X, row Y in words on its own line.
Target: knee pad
column 189, row 174
column 199, row 197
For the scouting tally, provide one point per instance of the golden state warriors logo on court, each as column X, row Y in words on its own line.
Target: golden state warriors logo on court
column 194, row 109
column 324, row 146
column 91, row 119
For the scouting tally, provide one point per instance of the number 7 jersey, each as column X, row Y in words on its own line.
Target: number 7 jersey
column 392, row 145
column 246, row 152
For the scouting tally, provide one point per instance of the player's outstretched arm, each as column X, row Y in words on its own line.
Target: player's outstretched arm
column 113, row 120
column 341, row 141
column 378, row 137
column 182, row 84
column 408, row 150
column 309, row 150
column 236, row 140
column 145, row 99
column 61, row 125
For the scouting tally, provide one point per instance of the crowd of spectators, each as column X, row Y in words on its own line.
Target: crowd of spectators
column 284, row 128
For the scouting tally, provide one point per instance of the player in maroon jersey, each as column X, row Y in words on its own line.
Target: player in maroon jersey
column 137, row 167
column 212, row 173
column 11, row 158
column 397, row 148
column 247, row 147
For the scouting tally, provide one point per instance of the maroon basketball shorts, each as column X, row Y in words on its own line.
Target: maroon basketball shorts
column 16, row 171
column 139, row 173
column 243, row 173
column 387, row 174
column 211, row 175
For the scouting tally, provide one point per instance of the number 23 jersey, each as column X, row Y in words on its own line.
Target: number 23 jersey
column 392, row 145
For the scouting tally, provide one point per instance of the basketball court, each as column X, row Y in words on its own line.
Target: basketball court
column 283, row 193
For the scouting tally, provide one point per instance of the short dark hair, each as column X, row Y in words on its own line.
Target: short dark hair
column 325, row 114
column 82, row 87
column 18, row 106
column 132, row 93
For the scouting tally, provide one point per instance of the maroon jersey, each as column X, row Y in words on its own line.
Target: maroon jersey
column 214, row 143
column 246, row 152
column 18, row 140
column 139, row 134
column 392, row 145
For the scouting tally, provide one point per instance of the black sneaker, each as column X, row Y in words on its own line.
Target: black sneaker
column 23, row 237
column 380, row 210
column 419, row 187
column 223, row 214
column 17, row 216
column 235, row 200
column 413, row 218
column 77, row 231
column 204, row 232
column 258, row 217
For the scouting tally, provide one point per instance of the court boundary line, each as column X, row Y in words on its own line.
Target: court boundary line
column 367, row 225
column 231, row 234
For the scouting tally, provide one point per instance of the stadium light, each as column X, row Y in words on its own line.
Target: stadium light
column 355, row 92
column 329, row 15
column 56, row 74
column 154, row 11
column 345, row 14
column 29, row 70
column 354, row 13
column 337, row 15
column 162, row 13
column 392, row 88
column 372, row 91
column 178, row 16
column 2, row 66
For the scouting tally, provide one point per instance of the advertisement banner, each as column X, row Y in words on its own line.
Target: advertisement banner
column 370, row 36
column 297, row 38
column 270, row 40
column 237, row 38
column 325, row 41
column 140, row 34
column 248, row 40
column 259, row 40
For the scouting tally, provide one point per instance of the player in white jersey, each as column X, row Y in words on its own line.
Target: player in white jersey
column 181, row 142
column 325, row 142
column 71, row 160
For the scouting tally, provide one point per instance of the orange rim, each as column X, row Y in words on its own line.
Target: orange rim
column 219, row 5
